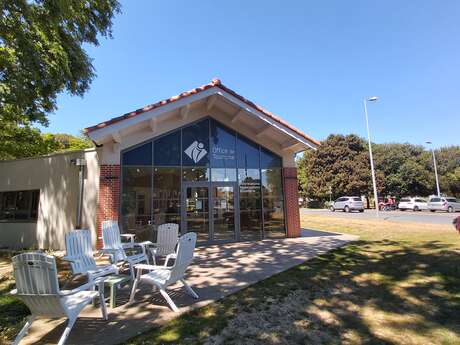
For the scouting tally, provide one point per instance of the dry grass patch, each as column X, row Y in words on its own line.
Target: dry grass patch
column 400, row 284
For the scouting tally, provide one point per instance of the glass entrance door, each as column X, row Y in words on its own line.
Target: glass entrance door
column 223, row 212
column 196, row 211
column 210, row 210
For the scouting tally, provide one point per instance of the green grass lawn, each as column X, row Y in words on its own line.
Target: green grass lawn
column 399, row 284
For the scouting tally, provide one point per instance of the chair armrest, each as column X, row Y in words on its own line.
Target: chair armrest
column 71, row 258
column 128, row 236
column 98, row 281
column 109, row 250
column 150, row 267
column 172, row 255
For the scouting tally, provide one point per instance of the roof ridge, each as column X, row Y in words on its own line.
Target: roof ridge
column 215, row 82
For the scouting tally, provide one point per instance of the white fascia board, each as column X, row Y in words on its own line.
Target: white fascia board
column 267, row 119
column 100, row 134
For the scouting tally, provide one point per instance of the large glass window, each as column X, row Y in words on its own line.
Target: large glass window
column 166, row 195
column 19, row 205
column 223, row 153
column 207, row 151
column 136, row 198
column 248, row 154
column 250, row 204
column 269, row 160
column 195, row 174
column 195, row 144
column 273, row 204
column 141, row 155
column 167, row 150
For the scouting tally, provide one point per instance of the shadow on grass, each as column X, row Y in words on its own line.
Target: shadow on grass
column 382, row 292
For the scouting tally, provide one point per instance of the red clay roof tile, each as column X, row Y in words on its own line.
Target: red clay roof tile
column 214, row 83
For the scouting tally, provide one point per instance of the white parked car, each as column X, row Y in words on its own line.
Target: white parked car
column 446, row 204
column 414, row 204
column 348, row 204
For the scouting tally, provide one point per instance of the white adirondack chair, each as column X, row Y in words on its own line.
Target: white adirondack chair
column 161, row 277
column 80, row 255
column 167, row 237
column 37, row 286
column 113, row 246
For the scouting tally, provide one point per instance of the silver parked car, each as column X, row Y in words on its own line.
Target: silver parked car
column 414, row 204
column 446, row 204
column 348, row 204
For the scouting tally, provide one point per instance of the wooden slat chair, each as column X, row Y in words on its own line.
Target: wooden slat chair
column 79, row 252
column 161, row 277
column 113, row 246
column 167, row 237
column 37, row 286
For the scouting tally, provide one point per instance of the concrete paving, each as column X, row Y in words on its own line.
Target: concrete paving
column 219, row 270
column 396, row 216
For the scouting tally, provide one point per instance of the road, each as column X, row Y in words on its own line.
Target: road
column 406, row 216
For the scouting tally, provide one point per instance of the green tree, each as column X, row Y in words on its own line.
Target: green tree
column 302, row 173
column 452, row 183
column 448, row 163
column 341, row 163
column 404, row 169
column 24, row 141
column 41, row 55
column 69, row 142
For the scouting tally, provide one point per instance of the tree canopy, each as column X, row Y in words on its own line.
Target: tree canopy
column 41, row 55
column 341, row 164
column 33, row 143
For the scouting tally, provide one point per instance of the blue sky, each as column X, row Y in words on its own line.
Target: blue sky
column 309, row 62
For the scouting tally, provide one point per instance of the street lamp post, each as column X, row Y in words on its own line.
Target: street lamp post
column 374, row 184
column 435, row 169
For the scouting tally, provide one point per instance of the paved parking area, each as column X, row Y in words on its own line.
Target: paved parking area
column 218, row 270
column 403, row 216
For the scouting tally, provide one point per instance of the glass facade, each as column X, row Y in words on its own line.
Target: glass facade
column 206, row 178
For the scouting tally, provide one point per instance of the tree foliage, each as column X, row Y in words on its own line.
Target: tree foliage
column 35, row 144
column 41, row 55
column 342, row 164
column 404, row 168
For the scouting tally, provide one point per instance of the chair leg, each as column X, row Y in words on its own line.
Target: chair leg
column 24, row 330
column 169, row 300
column 133, row 289
column 131, row 270
column 102, row 301
column 189, row 289
column 67, row 330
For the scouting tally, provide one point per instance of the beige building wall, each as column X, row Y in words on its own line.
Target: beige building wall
column 57, row 179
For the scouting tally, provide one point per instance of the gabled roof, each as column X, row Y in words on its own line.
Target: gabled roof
column 214, row 83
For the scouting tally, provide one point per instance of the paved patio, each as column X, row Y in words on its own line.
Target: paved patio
column 218, row 271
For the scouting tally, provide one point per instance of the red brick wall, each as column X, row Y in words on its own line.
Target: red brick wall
column 291, row 202
column 109, row 197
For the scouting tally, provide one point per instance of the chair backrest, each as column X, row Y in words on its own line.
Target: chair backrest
column 167, row 237
column 78, row 245
column 35, row 274
column 111, row 239
column 184, row 252
column 37, row 284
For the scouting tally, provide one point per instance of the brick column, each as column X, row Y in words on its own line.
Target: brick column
column 291, row 202
column 109, row 197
